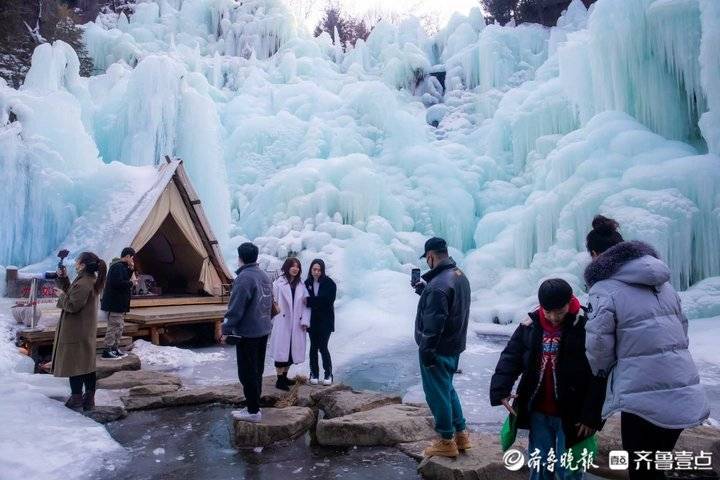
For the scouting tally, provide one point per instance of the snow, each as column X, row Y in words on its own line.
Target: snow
column 358, row 156
column 171, row 358
column 35, row 425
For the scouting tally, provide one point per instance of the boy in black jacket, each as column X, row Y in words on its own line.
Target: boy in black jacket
column 558, row 398
column 115, row 301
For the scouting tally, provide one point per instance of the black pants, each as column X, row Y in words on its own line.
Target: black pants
column 251, row 364
column 319, row 342
column 77, row 382
column 639, row 435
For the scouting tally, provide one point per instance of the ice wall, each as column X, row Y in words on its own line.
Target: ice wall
column 308, row 149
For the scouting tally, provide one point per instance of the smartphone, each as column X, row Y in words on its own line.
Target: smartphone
column 415, row 276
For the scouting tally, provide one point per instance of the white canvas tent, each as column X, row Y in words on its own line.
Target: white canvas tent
column 161, row 217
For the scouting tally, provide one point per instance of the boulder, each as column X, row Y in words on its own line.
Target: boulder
column 153, row 389
column 106, row 414
column 231, row 394
column 134, row 378
column 105, row 367
column 483, row 461
column 301, row 395
column 277, row 424
column 387, row 425
column 142, row 402
column 341, row 402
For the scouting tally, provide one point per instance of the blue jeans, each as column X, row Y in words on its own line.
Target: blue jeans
column 441, row 396
column 546, row 432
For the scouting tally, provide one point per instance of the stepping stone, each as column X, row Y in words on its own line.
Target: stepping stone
column 483, row 461
column 304, row 395
column 106, row 414
column 339, row 403
column 153, row 389
column 142, row 402
column 277, row 424
column 387, row 425
column 105, row 367
column 230, row 394
column 134, row 378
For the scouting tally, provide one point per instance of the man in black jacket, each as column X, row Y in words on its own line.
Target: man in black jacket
column 115, row 301
column 558, row 398
column 440, row 332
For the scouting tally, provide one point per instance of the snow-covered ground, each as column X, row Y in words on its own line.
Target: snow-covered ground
column 357, row 157
column 40, row 437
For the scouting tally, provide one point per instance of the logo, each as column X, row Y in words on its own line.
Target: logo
column 619, row 460
column 513, row 460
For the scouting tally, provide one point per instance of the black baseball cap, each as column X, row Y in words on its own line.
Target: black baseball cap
column 435, row 244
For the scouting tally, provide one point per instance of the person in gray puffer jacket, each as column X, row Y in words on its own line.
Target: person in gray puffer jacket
column 247, row 326
column 637, row 337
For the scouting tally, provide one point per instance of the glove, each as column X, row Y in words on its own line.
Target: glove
column 427, row 357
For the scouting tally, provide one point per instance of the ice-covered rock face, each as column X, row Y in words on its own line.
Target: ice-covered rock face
column 307, row 149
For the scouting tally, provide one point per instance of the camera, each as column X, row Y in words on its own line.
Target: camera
column 62, row 255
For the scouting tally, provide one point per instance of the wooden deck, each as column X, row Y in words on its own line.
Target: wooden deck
column 138, row 302
column 143, row 320
column 35, row 339
column 152, row 321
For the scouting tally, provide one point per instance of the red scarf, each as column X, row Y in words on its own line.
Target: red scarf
column 548, row 326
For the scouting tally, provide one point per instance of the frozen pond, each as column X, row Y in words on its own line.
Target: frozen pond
column 194, row 442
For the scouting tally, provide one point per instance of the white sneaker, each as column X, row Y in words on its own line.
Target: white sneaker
column 328, row 380
column 245, row 416
column 314, row 381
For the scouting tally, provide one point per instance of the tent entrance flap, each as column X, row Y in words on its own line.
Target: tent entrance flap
column 173, row 262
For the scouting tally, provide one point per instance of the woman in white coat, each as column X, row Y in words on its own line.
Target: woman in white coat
column 287, row 341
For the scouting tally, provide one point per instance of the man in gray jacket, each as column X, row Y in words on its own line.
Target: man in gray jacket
column 247, row 325
column 636, row 335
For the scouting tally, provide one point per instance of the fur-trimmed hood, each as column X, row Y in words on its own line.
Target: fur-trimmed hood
column 632, row 262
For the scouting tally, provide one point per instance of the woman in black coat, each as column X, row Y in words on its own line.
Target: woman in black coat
column 321, row 302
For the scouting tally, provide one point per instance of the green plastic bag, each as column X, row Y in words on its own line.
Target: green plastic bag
column 508, row 432
column 590, row 444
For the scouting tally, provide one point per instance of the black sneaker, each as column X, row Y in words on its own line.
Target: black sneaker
column 109, row 354
column 118, row 353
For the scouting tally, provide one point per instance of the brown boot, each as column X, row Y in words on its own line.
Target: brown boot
column 89, row 401
column 75, row 402
column 462, row 439
column 442, row 448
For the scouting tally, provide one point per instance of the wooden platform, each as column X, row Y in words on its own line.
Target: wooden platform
column 152, row 321
column 150, row 301
column 35, row 339
column 148, row 317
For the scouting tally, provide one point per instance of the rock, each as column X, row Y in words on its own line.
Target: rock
column 483, row 461
column 303, row 396
column 153, row 389
column 277, row 424
column 387, row 425
column 308, row 394
column 231, row 394
column 142, row 402
column 106, row 414
column 692, row 440
column 134, row 378
column 343, row 402
column 105, row 367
